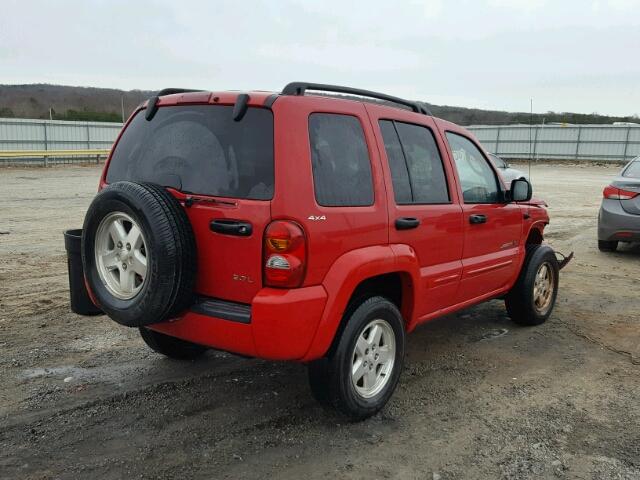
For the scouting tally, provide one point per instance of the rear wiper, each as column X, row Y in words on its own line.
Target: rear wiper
column 189, row 201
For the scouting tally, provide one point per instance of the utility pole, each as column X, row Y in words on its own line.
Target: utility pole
column 122, row 106
column 50, row 113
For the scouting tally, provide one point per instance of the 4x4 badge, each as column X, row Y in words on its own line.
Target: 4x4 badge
column 315, row 218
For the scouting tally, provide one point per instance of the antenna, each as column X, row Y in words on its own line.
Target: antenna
column 530, row 138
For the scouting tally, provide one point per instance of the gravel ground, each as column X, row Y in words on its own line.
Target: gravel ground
column 479, row 397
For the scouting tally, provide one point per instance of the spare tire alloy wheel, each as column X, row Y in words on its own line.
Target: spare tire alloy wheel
column 121, row 255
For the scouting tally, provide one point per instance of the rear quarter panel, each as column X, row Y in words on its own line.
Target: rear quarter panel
column 330, row 231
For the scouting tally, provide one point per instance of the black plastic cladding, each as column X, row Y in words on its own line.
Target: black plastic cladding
column 152, row 104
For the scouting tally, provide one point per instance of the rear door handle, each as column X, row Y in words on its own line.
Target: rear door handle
column 475, row 219
column 406, row 223
column 231, row 227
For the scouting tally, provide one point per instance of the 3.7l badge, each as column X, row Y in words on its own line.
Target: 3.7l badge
column 242, row 278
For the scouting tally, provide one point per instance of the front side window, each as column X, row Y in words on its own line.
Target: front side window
column 340, row 161
column 478, row 180
column 416, row 167
column 199, row 149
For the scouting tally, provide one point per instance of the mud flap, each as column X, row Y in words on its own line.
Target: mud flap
column 81, row 303
column 564, row 261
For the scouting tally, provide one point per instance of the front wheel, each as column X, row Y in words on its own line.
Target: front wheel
column 532, row 298
column 361, row 372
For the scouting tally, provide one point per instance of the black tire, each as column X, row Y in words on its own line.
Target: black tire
column 171, row 346
column 171, row 253
column 520, row 301
column 330, row 377
column 607, row 246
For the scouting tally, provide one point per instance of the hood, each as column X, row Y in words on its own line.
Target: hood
column 535, row 202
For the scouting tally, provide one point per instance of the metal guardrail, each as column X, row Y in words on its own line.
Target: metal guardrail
column 45, row 155
column 51, row 153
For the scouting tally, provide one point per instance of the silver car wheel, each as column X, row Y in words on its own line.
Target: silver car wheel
column 373, row 358
column 121, row 255
column 543, row 288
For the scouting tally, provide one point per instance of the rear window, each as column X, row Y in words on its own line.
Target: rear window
column 199, row 149
column 340, row 160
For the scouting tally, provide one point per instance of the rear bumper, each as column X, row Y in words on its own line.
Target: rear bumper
column 614, row 223
column 282, row 325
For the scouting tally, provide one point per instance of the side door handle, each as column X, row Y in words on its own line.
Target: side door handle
column 231, row 227
column 477, row 218
column 406, row 223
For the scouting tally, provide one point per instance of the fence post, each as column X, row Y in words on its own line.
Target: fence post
column 535, row 145
column 626, row 144
column 46, row 142
column 578, row 142
column 498, row 141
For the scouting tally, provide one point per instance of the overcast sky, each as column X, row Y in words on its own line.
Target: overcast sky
column 570, row 55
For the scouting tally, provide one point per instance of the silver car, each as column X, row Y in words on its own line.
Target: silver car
column 507, row 173
column 619, row 218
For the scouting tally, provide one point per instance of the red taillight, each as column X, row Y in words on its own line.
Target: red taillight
column 615, row 193
column 285, row 255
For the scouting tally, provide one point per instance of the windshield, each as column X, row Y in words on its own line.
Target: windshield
column 633, row 170
column 497, row 161
column 199, row 149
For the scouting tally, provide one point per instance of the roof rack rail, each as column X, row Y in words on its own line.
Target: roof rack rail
column 152, row 104
column 299, row 88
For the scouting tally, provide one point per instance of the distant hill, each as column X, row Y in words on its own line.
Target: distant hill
column 104, row 104
column 68, row 103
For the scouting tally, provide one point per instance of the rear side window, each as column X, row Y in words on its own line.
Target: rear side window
column 340, row 161
column 199, row 149
column 416, row 167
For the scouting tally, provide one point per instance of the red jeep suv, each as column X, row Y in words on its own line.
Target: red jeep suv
column 314, row 228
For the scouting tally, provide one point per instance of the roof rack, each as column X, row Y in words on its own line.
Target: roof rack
column 299, row 88
column 152, row 104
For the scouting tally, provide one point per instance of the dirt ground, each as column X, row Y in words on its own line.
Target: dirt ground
column 479, row 398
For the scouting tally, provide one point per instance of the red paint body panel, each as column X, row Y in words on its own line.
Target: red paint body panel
column 283, row 324
column 229, row 267
column 345, row 228
column 438, row 241
column 444, row 265
column 213, row 332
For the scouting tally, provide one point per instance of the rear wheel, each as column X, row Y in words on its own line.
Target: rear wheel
column 361, row 372
column 170, row 346
column 607, row 246
column 532, row 298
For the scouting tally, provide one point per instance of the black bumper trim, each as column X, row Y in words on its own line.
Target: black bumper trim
column 213, row 307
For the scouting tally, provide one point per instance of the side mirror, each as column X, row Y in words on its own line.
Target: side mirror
column 521, row 190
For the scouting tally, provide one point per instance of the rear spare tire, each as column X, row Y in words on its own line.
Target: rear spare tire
column 138, row 253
